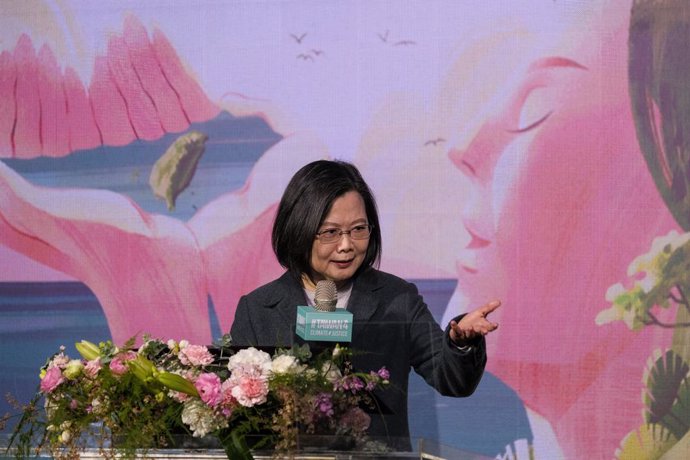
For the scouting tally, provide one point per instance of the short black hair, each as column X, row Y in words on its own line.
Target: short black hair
column 306, row 202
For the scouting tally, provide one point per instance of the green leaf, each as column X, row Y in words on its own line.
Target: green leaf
column 236, row 447
column 678, row 420
column 177, row 383
column 142, row 368
column 89, row 351
column 663, row 380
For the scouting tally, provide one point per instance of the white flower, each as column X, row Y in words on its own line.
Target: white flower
column 66, row 436
column 251, row 361
column 647, row 283
column 183, row 343
column 73, row 368
column 60, row 360
column 201, row 419
column 331, row 372
column 284, row 364
column 336, row 351
column 667, row 243
column 614, row 291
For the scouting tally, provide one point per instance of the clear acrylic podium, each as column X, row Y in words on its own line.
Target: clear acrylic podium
column 421, row 449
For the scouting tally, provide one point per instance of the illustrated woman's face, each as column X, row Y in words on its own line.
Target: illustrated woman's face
column 561, row 202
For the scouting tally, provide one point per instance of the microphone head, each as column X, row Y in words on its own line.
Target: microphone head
column 326, row 296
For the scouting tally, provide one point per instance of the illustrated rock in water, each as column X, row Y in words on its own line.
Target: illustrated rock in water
column 173, row 171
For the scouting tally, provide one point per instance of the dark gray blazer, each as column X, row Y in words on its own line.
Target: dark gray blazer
column 392, row 327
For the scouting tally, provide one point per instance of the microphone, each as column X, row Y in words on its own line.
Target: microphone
column 326, row 296
column 324, row 322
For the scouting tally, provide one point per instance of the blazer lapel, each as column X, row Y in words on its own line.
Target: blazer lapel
column 363, row 301
column 287, row 299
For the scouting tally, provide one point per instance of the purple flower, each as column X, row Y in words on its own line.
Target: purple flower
column 51, row 380
column 384, row 374
column 209, row 388
column 371, row 384
column 350, row 383
column 324, row 405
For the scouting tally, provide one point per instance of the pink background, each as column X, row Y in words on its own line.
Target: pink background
column 497, row 137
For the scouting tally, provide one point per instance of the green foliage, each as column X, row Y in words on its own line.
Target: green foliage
column 648, row 442
column 666, row 395
column 677, row 420
column 662, row 278
column 145, row 398
column 661, row 281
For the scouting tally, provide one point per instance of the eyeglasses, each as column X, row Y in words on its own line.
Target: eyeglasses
column 333, row 235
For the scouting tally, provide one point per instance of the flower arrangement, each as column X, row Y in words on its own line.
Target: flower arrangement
column 121, row 399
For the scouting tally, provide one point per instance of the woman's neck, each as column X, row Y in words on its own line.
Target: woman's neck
column 310, row 285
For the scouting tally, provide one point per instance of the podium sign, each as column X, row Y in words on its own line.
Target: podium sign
column 328, row 326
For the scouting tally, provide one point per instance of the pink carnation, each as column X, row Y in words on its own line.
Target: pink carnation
column 209, row 388
column 228, row 401
column 178, row 396
column 59, row 360
column 92, row 367
column 118, row 365
column 195, row 355
column 51, row 380
column 250, row 390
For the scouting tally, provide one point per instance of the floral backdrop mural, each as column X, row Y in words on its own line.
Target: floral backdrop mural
column 531, row 151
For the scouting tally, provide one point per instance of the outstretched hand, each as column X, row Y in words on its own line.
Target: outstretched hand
column 474, row 324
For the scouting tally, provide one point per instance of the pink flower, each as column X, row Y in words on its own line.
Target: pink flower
column 59, row 360
column 250, row 390
column 228, row 401
column 118, row 365
column 209, row 388
column 195, row 355
column 92, row 367
column 178, row 396
column 51, row 380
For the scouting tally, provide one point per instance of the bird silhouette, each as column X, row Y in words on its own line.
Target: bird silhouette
column 305, row 57
column 384, row 37
column 434, row 142
column 299, row 39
